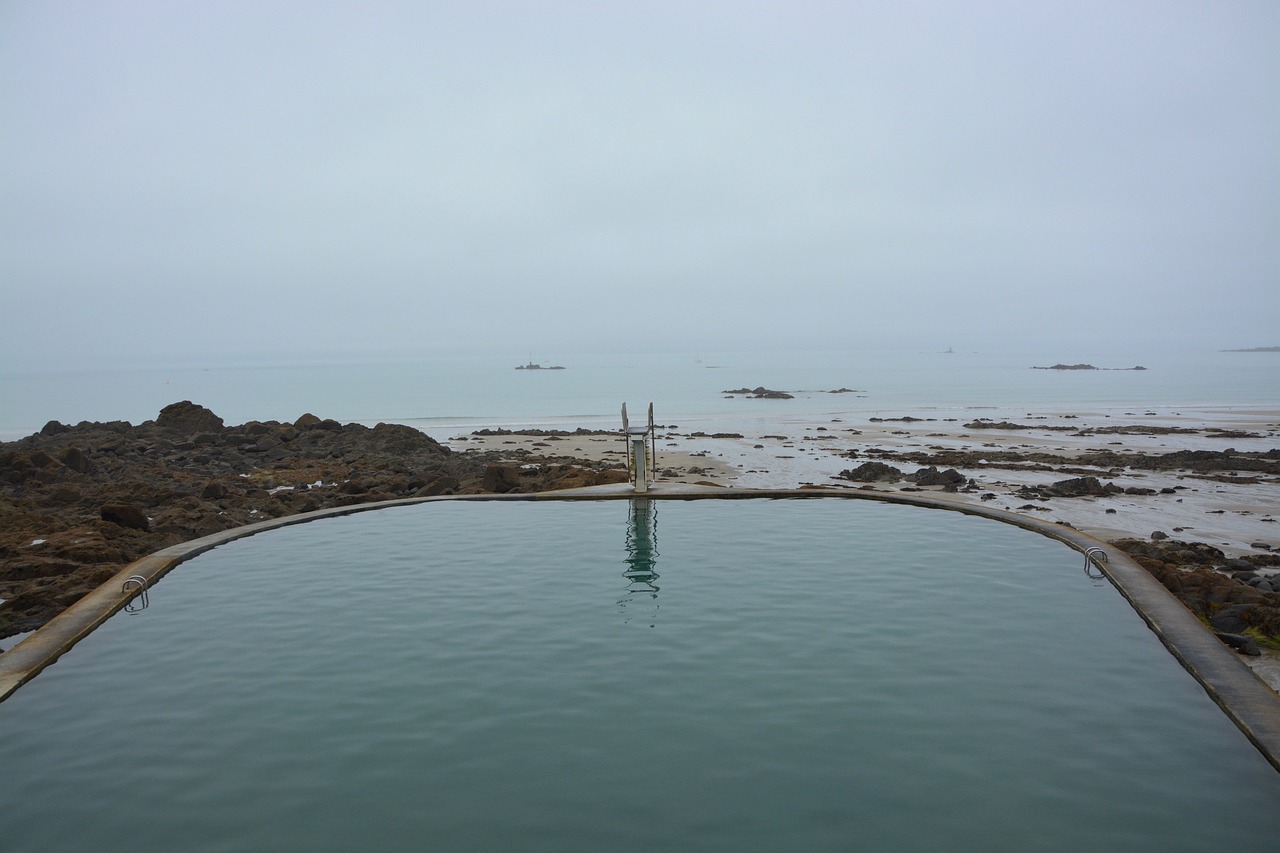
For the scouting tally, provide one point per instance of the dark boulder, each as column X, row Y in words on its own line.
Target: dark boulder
column 931, row 476
column 397, row 438
column 872, row 472
column 1079, row 487
column 125, row 515
column 213, row 490
column 501, row 478
column 445, row 485
column 61, row 495
column 40, row 459
column 74, row 458
column 188, row 418
column 1232, row 619
column 1241, row 643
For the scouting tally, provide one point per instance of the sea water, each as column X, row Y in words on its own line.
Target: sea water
column 446, row 394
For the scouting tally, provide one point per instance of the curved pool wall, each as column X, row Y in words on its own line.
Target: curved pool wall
column 709, row 675
column 1248, row 702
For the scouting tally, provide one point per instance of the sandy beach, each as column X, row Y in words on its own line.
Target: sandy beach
column 1231, row 510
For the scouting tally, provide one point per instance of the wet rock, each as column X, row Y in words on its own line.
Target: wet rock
column 761, row 393
column 125, row 515
column 187, row 418
column 1187, row 570
column 61, row 496
column 1241, row 643
column 1079, row 487
column 439, row 486
column 933, row 477
column 397, row 438
column 1231, row 619
column 74, row 459
column 501, row 478
column 40, row 459
column 213, row 490
column 872, row 472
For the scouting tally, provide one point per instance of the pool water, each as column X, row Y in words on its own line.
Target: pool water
column 691, row 675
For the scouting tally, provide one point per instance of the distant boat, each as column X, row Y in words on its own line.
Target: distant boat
column 535, row 366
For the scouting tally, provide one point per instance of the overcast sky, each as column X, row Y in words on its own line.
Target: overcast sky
column 548, row 177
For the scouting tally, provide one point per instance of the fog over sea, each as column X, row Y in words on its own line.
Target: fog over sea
column 447, row 394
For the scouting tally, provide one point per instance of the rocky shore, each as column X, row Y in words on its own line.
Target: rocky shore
column 1239, row 598
column 78, row 503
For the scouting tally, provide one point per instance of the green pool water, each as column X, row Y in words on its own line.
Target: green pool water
column 672, row 675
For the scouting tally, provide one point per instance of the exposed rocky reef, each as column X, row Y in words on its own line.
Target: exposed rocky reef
column 878, row 472
column 1086, row 367
column 760, row 393
column 1204, row 462
column 1238, row 598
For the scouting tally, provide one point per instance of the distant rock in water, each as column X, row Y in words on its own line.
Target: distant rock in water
column 535, row 366
column 1254, row 349
column 761, row 393
column 1086, row 367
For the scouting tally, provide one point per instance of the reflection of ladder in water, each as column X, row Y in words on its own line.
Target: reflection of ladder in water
column 642, row 451
column 641, row 597
column 642, row 545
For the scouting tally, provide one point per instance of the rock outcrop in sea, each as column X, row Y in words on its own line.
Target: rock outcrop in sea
column 760, row 393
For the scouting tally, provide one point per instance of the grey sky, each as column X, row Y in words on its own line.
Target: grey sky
column 199, row 177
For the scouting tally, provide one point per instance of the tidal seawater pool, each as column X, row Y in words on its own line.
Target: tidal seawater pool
column 612, row 675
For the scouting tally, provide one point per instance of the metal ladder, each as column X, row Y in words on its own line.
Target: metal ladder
column 139, row 583
column 1095, row 556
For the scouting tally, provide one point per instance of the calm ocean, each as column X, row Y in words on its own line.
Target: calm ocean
column 444, row 395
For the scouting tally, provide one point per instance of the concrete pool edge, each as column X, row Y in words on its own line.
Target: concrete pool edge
column 1243, row 696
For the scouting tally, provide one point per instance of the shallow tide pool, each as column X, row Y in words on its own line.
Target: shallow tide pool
column 683, row 675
